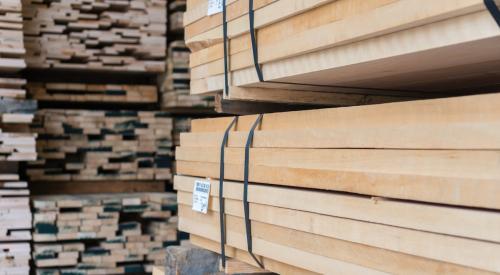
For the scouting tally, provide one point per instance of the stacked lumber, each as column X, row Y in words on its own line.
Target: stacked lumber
column 16, row 141
column 176, row 11
column 15, row 225
column 400, row 188
column 16, row 144
column 181, row 125
column 85, row 145
column 328, row 52
column 103, row 234
column 99, row 93
column 11, row 37
column 175, row 86
column 96, row 35
column 15, row 111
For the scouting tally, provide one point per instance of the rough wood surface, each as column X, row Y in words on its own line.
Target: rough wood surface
column 83, row 92
column 294, row 49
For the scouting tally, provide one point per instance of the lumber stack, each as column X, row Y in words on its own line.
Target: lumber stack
column 16, row 112
column 11, row 37
column 15, row 225
column 181, row 125
column 327, row 52
column 103, row 234
column 124, row 36
column 399, row 188
column 176, row 11
column 175, row 86
column 16, row 144
column 102, row 145
column 96, row 93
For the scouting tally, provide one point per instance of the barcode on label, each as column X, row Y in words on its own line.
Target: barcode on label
column 214, row 6
column 201, row 195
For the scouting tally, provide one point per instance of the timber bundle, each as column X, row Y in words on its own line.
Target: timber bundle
column 102, row 145
column 398, row 188
column 16, row 144
column 96, row 35
column 103, row 234
column 343, row 52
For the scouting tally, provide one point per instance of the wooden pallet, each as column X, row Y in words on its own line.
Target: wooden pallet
column 331, row 52
column 83, row 92
column 131, row 232
column 82, row 145
column 96, row 35
column 390, row 188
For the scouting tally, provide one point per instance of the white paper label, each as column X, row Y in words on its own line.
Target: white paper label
column 201, row 194
column 214, row 6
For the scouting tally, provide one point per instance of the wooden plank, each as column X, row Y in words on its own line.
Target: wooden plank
column 243, row 256
column 79, row 92
column 404, row 214
column 314, row 263
column 448, row 112
column 401, row 186
column 340, row 70
column 238, row 267
column 95, row 187
column 310, row 97
column 241, row 107
column 315, row 244
column 234, row 10
column 158, row 270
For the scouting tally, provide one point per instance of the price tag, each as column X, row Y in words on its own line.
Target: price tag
column 214, row 6
column 201, row 194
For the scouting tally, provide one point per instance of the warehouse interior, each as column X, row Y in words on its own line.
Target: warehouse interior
column 193, row 137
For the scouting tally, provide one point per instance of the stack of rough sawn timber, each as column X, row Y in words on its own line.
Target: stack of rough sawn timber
column 345, row 52
column 402, row 188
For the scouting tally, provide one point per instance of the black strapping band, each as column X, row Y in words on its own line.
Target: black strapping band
column 226, row 57
column 246, row 206
column 222, row 217
column 253, row 38
column 493, row 9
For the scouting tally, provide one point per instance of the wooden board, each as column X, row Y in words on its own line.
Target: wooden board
column 440, row 219
column 267, row 235
column 82, row 92
column 240, row 254
column 95, row 187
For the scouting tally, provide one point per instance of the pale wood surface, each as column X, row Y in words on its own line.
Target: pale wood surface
column 314, row 244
